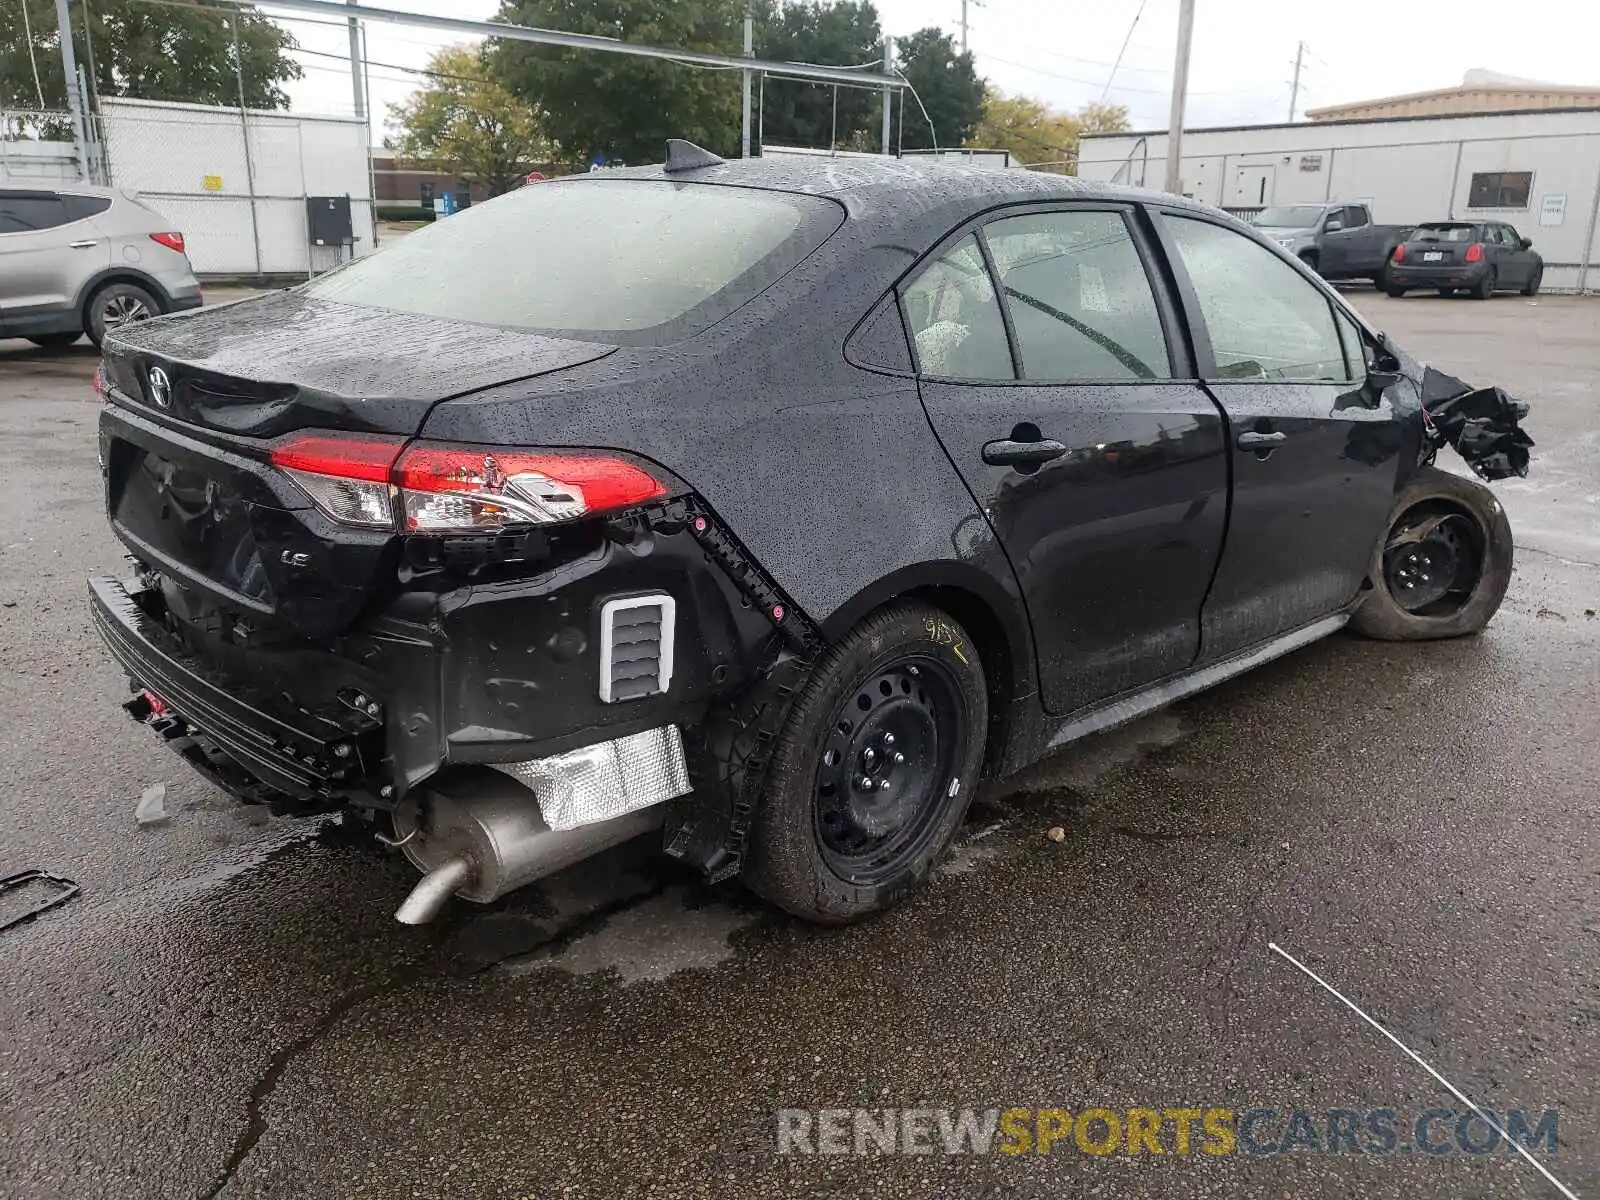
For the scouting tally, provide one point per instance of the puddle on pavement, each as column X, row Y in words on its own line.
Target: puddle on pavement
column 1076, row 769
column 652, row 940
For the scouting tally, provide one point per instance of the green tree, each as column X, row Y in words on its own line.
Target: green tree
column 145, row 51
column 620, row 106
column 468, row 122
column 1032, row 132
column 948, row 87
column 798, row 113
column 1035, row 133
column 1103, row 118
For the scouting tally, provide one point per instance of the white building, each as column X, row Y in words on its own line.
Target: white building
column 1537, row 170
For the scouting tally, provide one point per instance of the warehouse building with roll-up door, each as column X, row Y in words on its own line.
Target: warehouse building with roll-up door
column 1538, row 170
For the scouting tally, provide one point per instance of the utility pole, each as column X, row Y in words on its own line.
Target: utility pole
column 356, row 88
column 1180, row 92
column 749, row 52
column 1294, row 88
column 69, row 69
column 963, row 26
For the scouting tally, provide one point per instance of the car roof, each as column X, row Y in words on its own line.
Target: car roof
column 64, row 187
column 870, row 179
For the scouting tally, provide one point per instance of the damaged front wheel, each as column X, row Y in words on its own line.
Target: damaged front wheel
column 1442, row 565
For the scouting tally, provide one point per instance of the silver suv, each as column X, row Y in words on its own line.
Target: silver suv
column 80, row 259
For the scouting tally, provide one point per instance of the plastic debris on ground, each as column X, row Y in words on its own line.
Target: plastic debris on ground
column 152, row 807
column 28, row 893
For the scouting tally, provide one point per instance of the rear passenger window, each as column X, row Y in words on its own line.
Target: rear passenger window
column 79, row 207
column 1265, row 320
column 955, row 319
column 1080, row 302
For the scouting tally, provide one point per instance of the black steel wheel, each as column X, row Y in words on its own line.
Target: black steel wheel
column 874, row 767
column 1433, row 560
column 891, row 751
column 1442, row 565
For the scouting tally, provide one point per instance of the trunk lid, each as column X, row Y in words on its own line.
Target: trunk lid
column 1439, row 246
column 283, row 361
column 196, row 403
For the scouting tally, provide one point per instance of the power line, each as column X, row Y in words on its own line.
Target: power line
column 1122, row 51
column 27, row 32
column 429, row 71
column 1094, row 83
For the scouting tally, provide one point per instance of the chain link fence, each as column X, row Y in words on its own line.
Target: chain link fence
column 37, row 148
column 236, row 182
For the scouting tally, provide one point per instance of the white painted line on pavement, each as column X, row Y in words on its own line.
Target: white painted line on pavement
column 1417, row 1058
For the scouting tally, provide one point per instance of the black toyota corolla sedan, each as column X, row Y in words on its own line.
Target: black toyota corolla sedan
column 770, row 505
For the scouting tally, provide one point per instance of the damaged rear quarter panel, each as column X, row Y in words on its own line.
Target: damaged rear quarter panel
column 829, row 473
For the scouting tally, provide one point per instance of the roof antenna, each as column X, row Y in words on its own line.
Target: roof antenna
column 686, row 156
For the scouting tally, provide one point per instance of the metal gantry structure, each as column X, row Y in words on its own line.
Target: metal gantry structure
column 888, row 80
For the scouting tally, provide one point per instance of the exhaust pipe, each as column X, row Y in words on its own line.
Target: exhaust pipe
column 430, row 896
column 485, row 836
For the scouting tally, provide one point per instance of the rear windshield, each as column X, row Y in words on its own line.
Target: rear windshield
column 1444, row 233
column 1289, row 216
column 620, row 260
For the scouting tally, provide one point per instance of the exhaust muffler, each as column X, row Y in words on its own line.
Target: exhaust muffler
column 484, row 836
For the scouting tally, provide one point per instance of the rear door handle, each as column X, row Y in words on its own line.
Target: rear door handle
column 82, row 245
column 1251, row 440
column 1007, row 453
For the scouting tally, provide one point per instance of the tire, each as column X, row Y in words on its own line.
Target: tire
column 117, row 304
column 909, row 667
column 54, row 341
column 1484, row 288
column 1311, row 261
column 1473, row 518
column 1531, row 288
column 1395, row 293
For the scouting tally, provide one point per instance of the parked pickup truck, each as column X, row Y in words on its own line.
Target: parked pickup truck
column 1338, row 241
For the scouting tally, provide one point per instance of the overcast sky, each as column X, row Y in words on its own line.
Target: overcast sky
column 1061, row 52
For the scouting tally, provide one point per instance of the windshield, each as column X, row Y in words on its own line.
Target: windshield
column 1290, row 216
column 1444, row 233
column 619, row 260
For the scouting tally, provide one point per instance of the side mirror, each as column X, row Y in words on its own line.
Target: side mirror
column 1380, row 380
column 1332, row 225
column 1527, row 243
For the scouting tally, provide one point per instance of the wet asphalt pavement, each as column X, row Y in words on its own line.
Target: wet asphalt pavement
column 228, row 1008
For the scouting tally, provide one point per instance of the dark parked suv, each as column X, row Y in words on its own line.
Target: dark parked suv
column 775, row 503
column 1478, row 258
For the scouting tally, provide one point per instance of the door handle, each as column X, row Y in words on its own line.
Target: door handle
column 82, row 245
column 1251, row 440
column 1008, row 453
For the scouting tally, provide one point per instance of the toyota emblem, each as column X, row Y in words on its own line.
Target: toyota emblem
column 160, row 388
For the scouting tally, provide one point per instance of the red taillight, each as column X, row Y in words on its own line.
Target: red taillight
column 347, row 475
column 1400, row 252
column 1475, row 252
column 355, row 479
column 465, row 487
column 102, row 386
column 172, row 240
column 352, row 457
